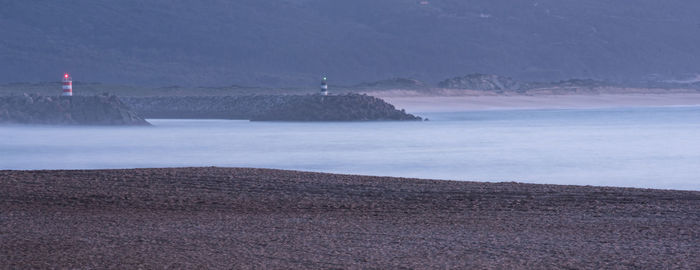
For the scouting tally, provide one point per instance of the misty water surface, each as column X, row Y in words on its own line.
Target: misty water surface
column 645, row 147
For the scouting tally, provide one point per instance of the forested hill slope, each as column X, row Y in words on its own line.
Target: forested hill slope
column 294, row 42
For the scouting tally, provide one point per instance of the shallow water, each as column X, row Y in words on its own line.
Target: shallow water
column 634, row 147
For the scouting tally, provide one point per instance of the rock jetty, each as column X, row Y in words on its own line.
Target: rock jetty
column 76, row 110
column 348, row 107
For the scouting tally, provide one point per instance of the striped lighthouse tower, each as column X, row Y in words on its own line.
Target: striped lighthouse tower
column 67, row 85
column 324, row 87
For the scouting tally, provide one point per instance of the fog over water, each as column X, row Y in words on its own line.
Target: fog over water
column 634, row 147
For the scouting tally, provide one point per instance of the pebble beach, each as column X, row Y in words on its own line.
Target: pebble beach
column 223, row 218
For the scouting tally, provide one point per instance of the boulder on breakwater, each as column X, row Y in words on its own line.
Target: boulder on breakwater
column 348, row 107
column 58, row 110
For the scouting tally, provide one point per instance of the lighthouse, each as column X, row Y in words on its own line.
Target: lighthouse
column 324, row 87
column 67, row 85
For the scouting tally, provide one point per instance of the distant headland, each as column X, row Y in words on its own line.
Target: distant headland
column 474, row 84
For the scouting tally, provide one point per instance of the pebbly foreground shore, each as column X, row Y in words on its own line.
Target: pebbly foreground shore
column 256, row 218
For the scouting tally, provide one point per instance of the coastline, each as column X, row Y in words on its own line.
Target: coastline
column 239, row 217
column 476, row 102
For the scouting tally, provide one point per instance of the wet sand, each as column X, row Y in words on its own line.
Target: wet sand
column 524, row 102
column 254, row 218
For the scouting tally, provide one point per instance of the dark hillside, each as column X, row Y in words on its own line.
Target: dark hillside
column 294, row 42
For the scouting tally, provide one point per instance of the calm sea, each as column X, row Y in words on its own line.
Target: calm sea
column 637, row 147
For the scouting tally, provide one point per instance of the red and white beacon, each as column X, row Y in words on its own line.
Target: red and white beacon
column 67, row 85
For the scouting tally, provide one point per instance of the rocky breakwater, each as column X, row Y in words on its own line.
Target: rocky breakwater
column 76, row 110
column 349, row 107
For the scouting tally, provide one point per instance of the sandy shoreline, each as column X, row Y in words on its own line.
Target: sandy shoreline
column 517, row 102
column 254, row 218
